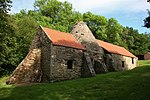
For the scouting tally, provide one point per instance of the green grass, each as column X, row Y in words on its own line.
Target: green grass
column 143, row 62
column 125, row 85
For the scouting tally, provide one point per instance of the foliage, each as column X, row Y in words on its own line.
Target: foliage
column 7, row 38
column 114, row 31
column 135, row 42
column 127, row 85
column 16, row 37
column 26, row 27
column 57, row 15
column 147, row 19
column 97, row 25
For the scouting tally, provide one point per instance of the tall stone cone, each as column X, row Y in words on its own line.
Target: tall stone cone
column 83, row 34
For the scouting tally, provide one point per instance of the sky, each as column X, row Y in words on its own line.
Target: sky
column 127, row 12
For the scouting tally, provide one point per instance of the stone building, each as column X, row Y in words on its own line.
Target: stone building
column 94, row 52
column 55, row 56
column 117, row 58
column 145, row 56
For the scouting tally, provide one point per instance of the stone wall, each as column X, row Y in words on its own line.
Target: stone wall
column 128, row 62
column 110, row 63
column 87, row 66
column 59, row 59
column 147, row 56
column 83, row 34
column 123, row 62
column 46, row 47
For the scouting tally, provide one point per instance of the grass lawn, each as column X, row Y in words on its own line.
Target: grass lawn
column 143, row 62
column 125, row 85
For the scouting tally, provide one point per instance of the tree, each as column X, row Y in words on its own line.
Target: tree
column 7, row 37
column 56, row 15
column 147, row 19
column 26, row 27
column 114, row 31
column 4, row 23
column 97, row 24
column 135, row 42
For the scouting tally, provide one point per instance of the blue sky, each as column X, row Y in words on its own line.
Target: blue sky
column 128, row 12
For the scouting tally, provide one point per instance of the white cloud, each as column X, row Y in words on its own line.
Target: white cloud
column 102, row 6
column 127, row 12
column 107, row 6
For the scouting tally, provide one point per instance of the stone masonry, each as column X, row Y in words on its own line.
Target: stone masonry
column 28, row 70
column 59, row 58
column 83, row 34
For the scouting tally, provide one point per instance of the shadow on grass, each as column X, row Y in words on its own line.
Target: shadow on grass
column 126, row 85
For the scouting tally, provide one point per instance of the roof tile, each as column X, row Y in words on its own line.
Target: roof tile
column 115, row 49
column 62, row 39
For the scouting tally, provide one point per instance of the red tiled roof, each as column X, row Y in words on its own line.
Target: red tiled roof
column 115, row 49
column 62, row 39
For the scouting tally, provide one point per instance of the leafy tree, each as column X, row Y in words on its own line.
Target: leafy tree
column 7, row 37
column 26, row 27
column 127, row 37
column 136, row 43
column 97, row 24
column 114, row 29
column 147, row 21
column 4, row 25
column 57, row 15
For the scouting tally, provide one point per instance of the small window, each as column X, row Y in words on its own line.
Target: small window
column 82, row 34
column 122, row 63
column 132, row 60
column 69, row 64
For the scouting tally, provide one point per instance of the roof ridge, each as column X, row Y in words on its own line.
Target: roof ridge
column 115, row 48
column 66, row 39
column 111, row 43
column 45, row 32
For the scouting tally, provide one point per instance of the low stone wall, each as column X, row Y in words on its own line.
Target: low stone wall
column 59, row 58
